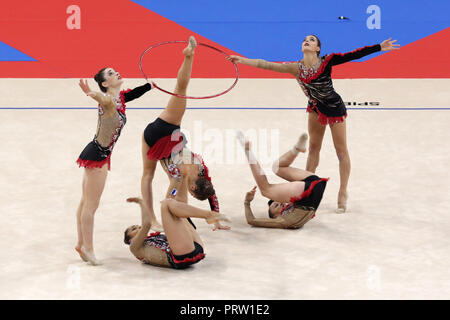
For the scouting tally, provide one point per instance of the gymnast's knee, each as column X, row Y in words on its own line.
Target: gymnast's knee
column 91, row 204
column 148, row 174
column 265, row 191
column 342, row 155
column 314, row 149
column 276, row 167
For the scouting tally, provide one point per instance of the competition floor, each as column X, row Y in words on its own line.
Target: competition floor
column 393, row 243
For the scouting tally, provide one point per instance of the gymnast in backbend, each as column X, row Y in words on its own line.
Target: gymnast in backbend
column 180, row 246
column 291, row 204
column 96, row 156
column 162, row 141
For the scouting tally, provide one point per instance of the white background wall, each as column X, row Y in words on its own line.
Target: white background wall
column 250, row 93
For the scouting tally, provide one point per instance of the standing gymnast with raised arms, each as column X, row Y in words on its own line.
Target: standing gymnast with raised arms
column 96, row 156
column 325, row 106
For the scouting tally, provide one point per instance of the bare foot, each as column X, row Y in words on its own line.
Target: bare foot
column 155, row 225
column 342, row 202
column 90, row 257
column 301, row 143
column 190, row 49
column 83, row 257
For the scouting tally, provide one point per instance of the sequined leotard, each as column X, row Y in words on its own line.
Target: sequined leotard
column 109, row 126
column 317, row 85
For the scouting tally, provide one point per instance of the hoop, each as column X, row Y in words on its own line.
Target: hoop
column 179, row 95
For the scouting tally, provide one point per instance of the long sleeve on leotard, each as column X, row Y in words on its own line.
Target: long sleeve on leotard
column 214, row 203
column 339, row 58
column 136, row 92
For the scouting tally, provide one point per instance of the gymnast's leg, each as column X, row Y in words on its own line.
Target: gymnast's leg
column 177, row 106
column 180, row 234
column 339, row 134
column 282, row 167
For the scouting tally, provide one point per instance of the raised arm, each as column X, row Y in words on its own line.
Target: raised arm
column 135, row 93
column 138, row 242
column 339, row 58
column 259, row 222
column 104, row 101
column 249, row 196
column 291, row 68
column 386, row 45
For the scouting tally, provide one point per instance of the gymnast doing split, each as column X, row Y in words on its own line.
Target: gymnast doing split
column 180, row 246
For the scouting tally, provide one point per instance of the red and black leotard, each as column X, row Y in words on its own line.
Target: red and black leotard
column 160, row 241
column 317, row 85
column 311, row 195
column 98, row 152
column 165, row 141
column 213, row 200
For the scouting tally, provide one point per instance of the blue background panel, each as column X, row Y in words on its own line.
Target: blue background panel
column 274, row 30
column 8, row 53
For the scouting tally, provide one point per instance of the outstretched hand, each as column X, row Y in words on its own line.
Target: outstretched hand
column 235, row 59
column 249, row 196
column 218, row 226
column 85, row 87
column 388, row 45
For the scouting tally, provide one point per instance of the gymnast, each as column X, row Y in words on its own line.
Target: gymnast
column 291, row 204
column 162, row 141
column 96, row 156
column 325, row 106
column 181, row 245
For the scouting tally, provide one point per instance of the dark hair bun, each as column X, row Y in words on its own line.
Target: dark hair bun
column 99, row 78
column 203, row 189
